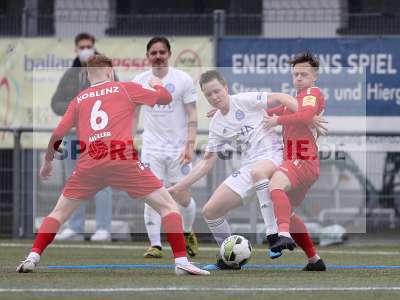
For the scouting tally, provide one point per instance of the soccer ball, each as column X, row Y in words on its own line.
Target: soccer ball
column 235, row 250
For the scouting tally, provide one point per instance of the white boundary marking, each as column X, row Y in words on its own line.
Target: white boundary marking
column 133, row 247
column 194, row 289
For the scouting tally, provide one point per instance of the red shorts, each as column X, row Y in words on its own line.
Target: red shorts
column 302, row 175
column 131, row 177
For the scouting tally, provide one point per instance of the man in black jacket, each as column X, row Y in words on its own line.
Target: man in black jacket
column 73, row 81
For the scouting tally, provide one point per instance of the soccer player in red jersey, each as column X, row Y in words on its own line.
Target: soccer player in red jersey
column 103, row 117
column 301, row 166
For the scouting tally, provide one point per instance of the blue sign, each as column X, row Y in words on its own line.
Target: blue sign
column 358, row 76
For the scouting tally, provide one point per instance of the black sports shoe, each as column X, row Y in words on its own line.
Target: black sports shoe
column 317, row 266
column 283, row 242
column 272, row 239
column 221, row 265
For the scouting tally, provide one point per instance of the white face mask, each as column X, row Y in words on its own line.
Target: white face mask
column 84, row 54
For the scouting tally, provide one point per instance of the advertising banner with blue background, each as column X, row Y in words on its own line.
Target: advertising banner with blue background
column 359, row 76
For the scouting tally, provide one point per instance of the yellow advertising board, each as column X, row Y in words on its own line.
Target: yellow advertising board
column 30, row 69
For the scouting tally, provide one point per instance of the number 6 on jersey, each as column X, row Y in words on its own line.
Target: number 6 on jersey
column 98, row 114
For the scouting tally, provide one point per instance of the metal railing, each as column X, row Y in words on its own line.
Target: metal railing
column 34, row 24
column 338, row 194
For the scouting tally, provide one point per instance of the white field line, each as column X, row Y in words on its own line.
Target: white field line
column 205, row 290
column 214, row 249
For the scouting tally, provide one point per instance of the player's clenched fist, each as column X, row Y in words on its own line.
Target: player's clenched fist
column 45, row 170
column 270, row 122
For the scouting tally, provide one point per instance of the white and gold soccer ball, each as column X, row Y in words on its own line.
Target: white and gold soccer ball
column 235, row 250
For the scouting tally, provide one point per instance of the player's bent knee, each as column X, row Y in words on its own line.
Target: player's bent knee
column 279, row 181
column 262, row 171
column 183, row 198
column 258, row 174
column 209, row 213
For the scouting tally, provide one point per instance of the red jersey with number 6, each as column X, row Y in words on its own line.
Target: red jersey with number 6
column 298, row 136
column 103, row 117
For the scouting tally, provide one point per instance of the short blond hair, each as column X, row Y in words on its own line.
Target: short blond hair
column 98, row 61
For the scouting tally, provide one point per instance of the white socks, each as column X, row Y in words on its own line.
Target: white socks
column 34, row 256
column 266, row 206
column 220, row 229
column 314, row 259
column 286, row 234
column 152, row 220
column 188, row 215
column 181, row 260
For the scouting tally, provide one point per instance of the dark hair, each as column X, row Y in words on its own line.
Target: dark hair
column 99, row 61
column 306, row 57
column 84, row 36
column 209, row 76
column 158, row 39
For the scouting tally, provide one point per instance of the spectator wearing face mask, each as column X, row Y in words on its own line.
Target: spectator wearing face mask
column 72, row 82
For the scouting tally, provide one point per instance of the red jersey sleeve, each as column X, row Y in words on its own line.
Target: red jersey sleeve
column 310, row 102
column 64, row 126
column 278, row 110
column 139, row 94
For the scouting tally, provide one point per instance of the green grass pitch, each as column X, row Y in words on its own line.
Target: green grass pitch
column 280, row 283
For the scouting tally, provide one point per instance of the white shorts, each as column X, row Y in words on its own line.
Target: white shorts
column 240, row 181
column 166, row 166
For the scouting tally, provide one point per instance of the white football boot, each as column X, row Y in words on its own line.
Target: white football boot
column 29, row 264
column 189, row 269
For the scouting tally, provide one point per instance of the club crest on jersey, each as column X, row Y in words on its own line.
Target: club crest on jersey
column 309, row 101
column 239, row 115
column 170, row 87
column 224, row 131
column 185, row 169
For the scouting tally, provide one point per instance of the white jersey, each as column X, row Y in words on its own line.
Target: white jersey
column 242, row 128
column 165, row 126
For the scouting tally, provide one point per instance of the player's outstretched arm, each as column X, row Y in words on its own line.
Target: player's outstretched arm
column 284, row 99
column 199, row 170
column 139, row 94
column 191, row 117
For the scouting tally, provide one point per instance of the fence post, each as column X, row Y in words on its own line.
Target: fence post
column 30, row 18
column 17, row 230
column 219, row 22
column 25, row 16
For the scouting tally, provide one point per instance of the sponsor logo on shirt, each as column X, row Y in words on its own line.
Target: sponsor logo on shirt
column 170, row 87
column 185, row 169
column 239, row 115
column 309, row 101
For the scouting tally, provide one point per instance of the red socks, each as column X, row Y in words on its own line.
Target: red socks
column 282, row 209
column 299, row 233
column 45, row 235
column 293, row 224
column 172, row 224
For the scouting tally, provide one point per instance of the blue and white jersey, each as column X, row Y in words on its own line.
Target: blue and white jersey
column 165, row 126
column 242, row 128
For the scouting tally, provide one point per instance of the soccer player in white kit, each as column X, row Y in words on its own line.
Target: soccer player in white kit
column 238, row 122
column 168, row 140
